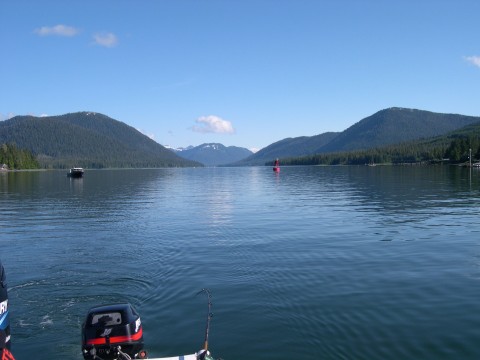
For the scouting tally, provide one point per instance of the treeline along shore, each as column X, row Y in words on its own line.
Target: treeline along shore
column 455, row 149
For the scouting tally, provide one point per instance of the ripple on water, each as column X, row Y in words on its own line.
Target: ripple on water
column 330, row 263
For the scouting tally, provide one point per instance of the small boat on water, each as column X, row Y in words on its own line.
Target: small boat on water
column 75, row 172
column 114, row 332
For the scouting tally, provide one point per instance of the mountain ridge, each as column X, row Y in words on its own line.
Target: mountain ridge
column 94, row 140
column 395, row 125
column 288, row 147
column 214, row 154
column 86, row 139
column 385, row 127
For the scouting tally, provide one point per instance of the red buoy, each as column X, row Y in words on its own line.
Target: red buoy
column 276, row 166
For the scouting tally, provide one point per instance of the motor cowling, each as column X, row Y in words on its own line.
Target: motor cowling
column 108, row 327
column 4, row 316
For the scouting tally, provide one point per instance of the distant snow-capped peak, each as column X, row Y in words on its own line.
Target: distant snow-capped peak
column 178, row 149
column 213, row 146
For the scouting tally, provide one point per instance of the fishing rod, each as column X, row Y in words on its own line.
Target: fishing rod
column 209, row 315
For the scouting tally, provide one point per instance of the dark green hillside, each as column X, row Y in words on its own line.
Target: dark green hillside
column 386, row 127
column 89, row 140
column 452, row 147
column 125, row 134
column 289, row 147
column 393, row 126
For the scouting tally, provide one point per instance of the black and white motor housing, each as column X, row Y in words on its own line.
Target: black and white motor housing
column 109, row 327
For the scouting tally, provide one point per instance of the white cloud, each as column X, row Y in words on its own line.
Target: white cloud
column 105, row 39
column 43, row 115
column 254, row 149
column 474, row 60
column 59, row 30
column 213, row 124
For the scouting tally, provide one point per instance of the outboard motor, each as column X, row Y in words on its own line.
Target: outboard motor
column 4, row 318
column 110, row 328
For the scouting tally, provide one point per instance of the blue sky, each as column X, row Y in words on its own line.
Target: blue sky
column 240, row 72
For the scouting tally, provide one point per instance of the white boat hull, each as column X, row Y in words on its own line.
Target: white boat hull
column 181, row 357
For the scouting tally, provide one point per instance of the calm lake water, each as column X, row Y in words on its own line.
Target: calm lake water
column 312, row 263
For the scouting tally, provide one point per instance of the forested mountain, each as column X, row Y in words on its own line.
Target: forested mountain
column 386, row 127
column 93, row 140
column 289, row 147
column 453, row 147
column 86, row 139
column 214, row 154
column 393, row 126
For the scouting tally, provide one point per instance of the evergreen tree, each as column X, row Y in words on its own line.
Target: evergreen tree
column 16, row 158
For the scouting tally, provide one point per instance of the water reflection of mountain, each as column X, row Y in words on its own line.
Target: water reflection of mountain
column 402, row 188
column 387, row 190
column 54, row 189
column 381, row 203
